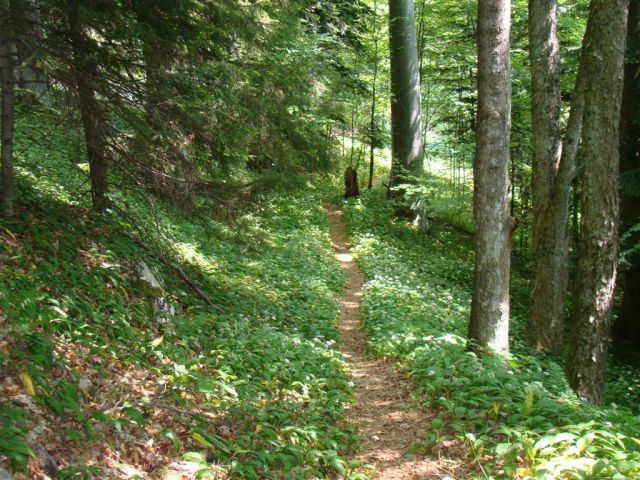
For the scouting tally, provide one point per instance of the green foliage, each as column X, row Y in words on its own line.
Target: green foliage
column 267, row 368
column 12, row 432
column 516, row 414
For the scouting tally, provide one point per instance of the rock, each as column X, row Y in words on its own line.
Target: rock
column 86, row 386
column 153, row 289
column 146, row 276
column 4, row 475
column 163, row 309
column 47, row 462
column 421, row 212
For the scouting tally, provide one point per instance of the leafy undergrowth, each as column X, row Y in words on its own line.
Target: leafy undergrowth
column 95, row 384
column 515, row 417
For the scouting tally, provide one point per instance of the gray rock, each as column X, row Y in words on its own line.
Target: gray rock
column 47, row 462
column 153, row 288
column 86, row 386
column 146, row 275
column 421, row 210
column 4, row 475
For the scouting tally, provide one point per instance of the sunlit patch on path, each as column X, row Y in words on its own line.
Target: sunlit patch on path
column 388, row 420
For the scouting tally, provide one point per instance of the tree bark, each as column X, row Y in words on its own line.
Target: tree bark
column 351, row 183
column 489, row 320
column 546, row 316
column 545, row 326
column 374, row 97
column 7, row 83
column 627, row 327
column 406, row 117
column 85, row 73
column 603, row 59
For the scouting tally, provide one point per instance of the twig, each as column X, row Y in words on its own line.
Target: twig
column 161, row 406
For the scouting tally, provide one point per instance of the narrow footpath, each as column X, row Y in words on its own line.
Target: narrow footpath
column 387, row 418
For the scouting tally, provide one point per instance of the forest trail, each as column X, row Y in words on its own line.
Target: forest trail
column 387, row 418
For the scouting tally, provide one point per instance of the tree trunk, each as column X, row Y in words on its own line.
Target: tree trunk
column 406, row 117
column 86, row 72
column 603, row 59
column 489, row 321
column 27, row 25
column 546, row 317
column 7, row 55
column 627, row 328
column 545, row 327
column 372, row 126
column 351, row 183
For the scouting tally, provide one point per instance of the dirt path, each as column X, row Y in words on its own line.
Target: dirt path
column 387, row 418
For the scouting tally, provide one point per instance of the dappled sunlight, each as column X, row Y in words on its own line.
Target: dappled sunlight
column 508, row 415
column 126, row 395
column 344, row 257
column 388, row 420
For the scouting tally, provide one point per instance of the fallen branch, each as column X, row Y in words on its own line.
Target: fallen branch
column 161, row 406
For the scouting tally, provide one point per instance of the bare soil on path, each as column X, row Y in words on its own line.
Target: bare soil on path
column 388, row 420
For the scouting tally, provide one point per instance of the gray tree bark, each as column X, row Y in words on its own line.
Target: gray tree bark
column 546, row 316
column 489, row 320
column 545, row 326
column 603, row 59
column 406, row 117
column 627, row 328
column 7, row 83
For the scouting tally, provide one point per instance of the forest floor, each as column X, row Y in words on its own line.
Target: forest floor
column 388, row 419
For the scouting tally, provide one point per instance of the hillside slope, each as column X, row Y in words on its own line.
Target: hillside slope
column 96, row 384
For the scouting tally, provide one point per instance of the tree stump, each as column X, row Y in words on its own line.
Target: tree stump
column 351, row 183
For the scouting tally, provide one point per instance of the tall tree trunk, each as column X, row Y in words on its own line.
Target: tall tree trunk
column 489, row 321
column 603, row 59
column 627, row 327
column 374, row 98
column 406, row 117
column 546, row 317
column 7, row 55
column 552, row 183
column 85, row 73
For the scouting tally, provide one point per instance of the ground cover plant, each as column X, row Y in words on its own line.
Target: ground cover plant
column 513, row 416
column 96, row 384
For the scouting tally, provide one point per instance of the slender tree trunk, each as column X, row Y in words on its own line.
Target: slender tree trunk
column 627, row 328
column 603, row 59
column 85, row 72
column 7, row 54
column 406, row 117
column 546, row 317
column 374, row 98
column 489, row 321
